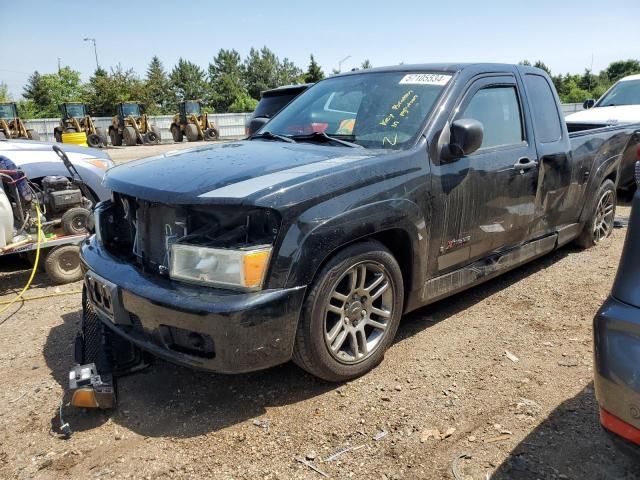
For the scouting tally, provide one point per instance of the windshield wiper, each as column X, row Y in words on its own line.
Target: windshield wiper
column 326, row 138
column 272, row 136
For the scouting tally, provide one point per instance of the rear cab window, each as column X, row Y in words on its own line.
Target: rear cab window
column 546, row 118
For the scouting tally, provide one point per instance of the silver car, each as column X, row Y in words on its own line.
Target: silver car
column 38, row 160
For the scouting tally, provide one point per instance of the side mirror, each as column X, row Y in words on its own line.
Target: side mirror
column 589, row 103
column 465, row 138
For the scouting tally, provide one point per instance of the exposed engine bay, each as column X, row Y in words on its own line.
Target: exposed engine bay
column 143, row 232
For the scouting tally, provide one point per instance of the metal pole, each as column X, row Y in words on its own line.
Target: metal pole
column 95, row 50
column 341, row 62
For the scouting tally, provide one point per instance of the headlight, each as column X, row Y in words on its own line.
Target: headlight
column 102, row 164
column 237, row 269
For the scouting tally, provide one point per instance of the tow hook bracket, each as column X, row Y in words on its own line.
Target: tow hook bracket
column 90, row 389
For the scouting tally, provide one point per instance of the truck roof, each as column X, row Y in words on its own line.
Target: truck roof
column 448, row 67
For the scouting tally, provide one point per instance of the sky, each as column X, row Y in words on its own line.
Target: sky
column 565, row 34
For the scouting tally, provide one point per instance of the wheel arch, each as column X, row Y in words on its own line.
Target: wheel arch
column 397, row 224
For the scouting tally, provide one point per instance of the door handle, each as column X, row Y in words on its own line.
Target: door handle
column 525, row 163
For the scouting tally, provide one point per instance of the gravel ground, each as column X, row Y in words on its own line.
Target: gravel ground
column 449, row 386
column 125, row 154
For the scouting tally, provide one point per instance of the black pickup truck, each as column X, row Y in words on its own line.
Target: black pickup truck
column 372, row 194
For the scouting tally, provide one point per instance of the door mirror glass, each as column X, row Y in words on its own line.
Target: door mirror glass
column 589, row 103
column 466, row 136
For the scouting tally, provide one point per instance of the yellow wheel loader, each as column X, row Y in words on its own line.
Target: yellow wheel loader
column 76, row 120
column 11, row 126
column 131, row 126
column 192, row 123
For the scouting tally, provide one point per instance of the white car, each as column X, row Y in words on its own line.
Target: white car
column 620, row 104
column 38, row 160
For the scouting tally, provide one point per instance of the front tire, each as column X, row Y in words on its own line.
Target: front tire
column 351, row 314
column 62, row 264
column 599, row 225
column 130, row 137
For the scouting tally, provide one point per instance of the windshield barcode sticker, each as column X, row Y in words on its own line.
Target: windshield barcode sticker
column 425, row 79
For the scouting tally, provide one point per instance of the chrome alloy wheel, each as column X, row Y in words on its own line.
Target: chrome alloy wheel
column 358, row 312
column 603, row 221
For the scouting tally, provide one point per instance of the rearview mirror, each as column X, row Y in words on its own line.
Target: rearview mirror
column 589, row 103
column 465, row 137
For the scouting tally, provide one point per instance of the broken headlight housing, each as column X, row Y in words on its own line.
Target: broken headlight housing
column 242, row 269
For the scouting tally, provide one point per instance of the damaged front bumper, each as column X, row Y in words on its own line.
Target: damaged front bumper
column 200, row 327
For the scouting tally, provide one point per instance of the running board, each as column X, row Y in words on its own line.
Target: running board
column 483, row 270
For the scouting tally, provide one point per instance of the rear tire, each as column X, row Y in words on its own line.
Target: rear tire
column 599, row 224
column 116, row 138
column 62, row 264
column 176, row 133
column 129, row 136
column 33, row 135
column 351, row 313
column 191, row 132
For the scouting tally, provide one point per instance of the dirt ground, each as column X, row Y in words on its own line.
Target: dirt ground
column 447, row 387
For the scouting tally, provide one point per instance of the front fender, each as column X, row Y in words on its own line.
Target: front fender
column 313, row 246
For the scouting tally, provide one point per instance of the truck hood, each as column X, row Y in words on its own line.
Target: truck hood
column 607, row 115
column 226, row 172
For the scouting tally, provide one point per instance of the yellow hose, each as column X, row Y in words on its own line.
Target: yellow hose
column 35, row 264
column 46, row 295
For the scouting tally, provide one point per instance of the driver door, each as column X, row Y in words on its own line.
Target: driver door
column 488, row 197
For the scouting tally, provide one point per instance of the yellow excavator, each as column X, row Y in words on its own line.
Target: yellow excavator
column 76, row 120
column 11, row 126
column 192, row 123
column 131, row 126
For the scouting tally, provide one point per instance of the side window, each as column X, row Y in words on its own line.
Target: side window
column 545, row 113
column 498, row 110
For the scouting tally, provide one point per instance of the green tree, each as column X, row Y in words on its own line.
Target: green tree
column 226, row 80
column 105, row 90
column 314, row 72
column 525, row 62
column 366, row 64
column 616, row 70
column 48, row 91
column 4, row 92
column 261, row 71
column 243, row 103
column 158, row 97
column 188, row 81
column 289, row 73
column 27, row 109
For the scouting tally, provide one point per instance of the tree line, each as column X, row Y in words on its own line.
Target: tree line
column 229, row 84
column 576, row 88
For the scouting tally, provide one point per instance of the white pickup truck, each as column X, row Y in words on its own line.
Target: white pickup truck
column 620, row 104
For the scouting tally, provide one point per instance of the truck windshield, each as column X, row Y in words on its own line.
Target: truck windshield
column 130, row 109
column 374, row 110
column 75, row 111
column 626, row 92
column 7, row 112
